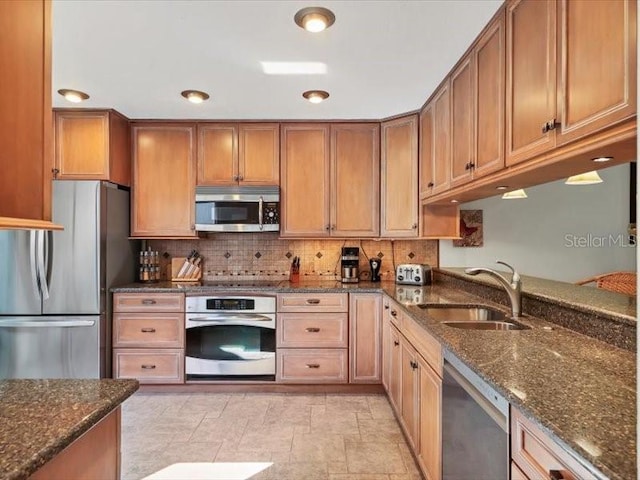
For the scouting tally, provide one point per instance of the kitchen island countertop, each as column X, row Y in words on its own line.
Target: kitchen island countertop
column 40, row 418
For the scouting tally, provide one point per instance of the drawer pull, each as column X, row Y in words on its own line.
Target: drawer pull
column 148, row 367
column 148, row 301
column 148, row 330
column 313, row 329
column 313, row 301
column 556, row 475
column 313, row 365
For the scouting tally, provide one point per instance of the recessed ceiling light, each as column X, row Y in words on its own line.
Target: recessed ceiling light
column 602, row 159
column 314, row 19
column 195, row 96
column 315, row 96
column 514, row 195
column 455, row 201
column 74, row 96
column 294, row 68
column 589, row 178
column 502, row 187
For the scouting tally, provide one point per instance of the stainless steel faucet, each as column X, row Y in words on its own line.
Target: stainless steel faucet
column 512, row 287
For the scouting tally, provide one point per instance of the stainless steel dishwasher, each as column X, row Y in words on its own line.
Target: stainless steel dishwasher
column 475, row 426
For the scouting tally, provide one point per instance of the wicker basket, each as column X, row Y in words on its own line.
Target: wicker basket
column 620, row 282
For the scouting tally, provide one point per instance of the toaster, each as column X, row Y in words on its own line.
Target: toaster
column 413, row 274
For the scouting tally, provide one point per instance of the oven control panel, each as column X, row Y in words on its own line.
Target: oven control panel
column 271, row 213
column 231, row 304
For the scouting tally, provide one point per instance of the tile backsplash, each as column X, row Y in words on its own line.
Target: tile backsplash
column 265, row 254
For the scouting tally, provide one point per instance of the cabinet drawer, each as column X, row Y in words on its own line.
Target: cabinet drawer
column 424, row 343
column 148, row 330
column 149, row 366
column 537, row 455
column 150, row 302
column 312, row 330
column 312, row 365
column 313, row 302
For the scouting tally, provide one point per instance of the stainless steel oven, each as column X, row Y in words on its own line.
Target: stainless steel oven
column 475, row 426
column 230, row 337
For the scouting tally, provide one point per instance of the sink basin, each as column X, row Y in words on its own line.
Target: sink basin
column 485, row 325
column 462, row 313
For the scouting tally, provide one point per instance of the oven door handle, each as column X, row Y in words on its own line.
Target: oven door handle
column 230, row 317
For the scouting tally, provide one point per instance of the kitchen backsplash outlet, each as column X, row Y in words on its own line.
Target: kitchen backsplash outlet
column 265, row 254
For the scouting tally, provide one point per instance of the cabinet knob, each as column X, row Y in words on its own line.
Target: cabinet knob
column 414, row 365
column 414, row 226
column 240, row 178
column 545, row 127
column 472, row 165
column 467, row 166
column 327, row 228
column 394, row 313
column 555, row 475
column 430, row 184
column 236, row 178
column 55, row 172
column 386, row 307
column 396, row 343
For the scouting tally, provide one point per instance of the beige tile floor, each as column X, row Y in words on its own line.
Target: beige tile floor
column 304, row 437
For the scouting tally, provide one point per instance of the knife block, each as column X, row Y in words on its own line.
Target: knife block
column 176, row 267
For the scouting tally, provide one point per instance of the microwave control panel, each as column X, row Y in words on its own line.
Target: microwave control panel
column 270, row 213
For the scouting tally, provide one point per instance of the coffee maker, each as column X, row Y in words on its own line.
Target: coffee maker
column 349, row 264
column 375, row 264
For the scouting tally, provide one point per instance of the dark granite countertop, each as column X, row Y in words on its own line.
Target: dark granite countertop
column 579, row 390
column 39, row 418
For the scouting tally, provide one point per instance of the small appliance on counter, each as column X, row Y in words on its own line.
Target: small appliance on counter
column 349, row 264
column 413, row 274
column 375, row 264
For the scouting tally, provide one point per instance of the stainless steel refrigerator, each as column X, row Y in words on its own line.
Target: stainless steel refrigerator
column 55, row 306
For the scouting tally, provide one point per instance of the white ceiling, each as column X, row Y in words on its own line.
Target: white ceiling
column 383, row 57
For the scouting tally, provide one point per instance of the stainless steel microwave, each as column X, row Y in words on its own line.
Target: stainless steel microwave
column 238, row 209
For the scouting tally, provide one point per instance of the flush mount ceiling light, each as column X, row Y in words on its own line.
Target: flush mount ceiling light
column 515, row 194
column 195, row 96
column 294, row 68
column 315, row 96
column 314, row 19
column 74, row 96
column 602, row 159
column 455, row 201
column 589, row 178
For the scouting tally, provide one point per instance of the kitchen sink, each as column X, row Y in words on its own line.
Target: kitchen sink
column 462, row 313
column 485, row 325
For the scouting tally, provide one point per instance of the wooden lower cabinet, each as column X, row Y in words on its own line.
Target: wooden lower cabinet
column 307, row 365
column 516, row 473
column 365, row 349
column 149, row 365
column 394, row 365
column 159, row 330
column 430, row 427
column 95, row 455
column 312, row 330
column 409, row 388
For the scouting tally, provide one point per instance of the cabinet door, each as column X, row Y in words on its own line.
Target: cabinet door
column 82, row 145
column 430, row 425
column 355, row 180
column 119, row 149
column 25, row 117
column 365, row 348
column 597, row 65
column 217, row 154
column 304, row 171
column 463, row 114
column 409, row 389
column 399, row 182
column 259, row 153
column 531, row 83
column 425, row 151
column 490, row 95
column 442, row 138
column 386, row 346
column 163, row 181
column 395, row 374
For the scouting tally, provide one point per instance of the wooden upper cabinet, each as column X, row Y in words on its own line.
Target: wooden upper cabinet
column 399, row 178
column 163, row 180
column 489, row 55
column 596, row 65
column 305, row 188
column 26, row 157
column 463, row 114
column 355, row 180
column 531, row 83
column 238, row 154
column 92, row 145
column 425, row 151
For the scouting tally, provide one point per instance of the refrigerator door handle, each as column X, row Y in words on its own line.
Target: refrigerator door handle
column 44, row 322
column 40, row 254
column 33, row 261
column 48, row 259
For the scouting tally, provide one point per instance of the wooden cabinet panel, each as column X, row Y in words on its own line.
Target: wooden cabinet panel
column 531, row 84
column 25, row 117
column 410, row 392
column 304, row 171
column 148, row 302
column 355, row 180
column 463, row 113
column 312, row 330
column 442, row 139
column 429, row 451
column 426, row 155
column 425, row 343
column 395, row 372
column 399, row 178
column 596, row 65
column 516, row 473
column 365, row 348
column 537, row 455
column 149, row 365
column 259, row 153
column 386, row 345
column 490, row 99
column 163, row 181
column 217, row 154
column 313, row 302
column 148, row 330
column 311, row 365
